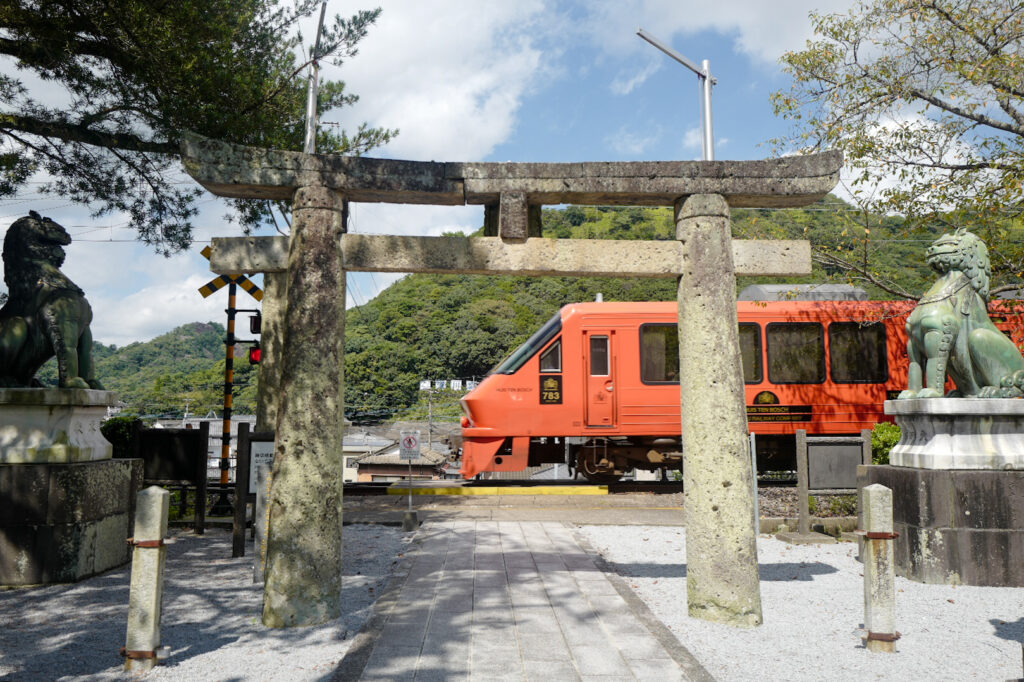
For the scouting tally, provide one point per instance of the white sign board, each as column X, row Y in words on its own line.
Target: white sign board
column 456, row 384
column 409, row 445
column 260, row 452
column 440, row 384
column 425, row 385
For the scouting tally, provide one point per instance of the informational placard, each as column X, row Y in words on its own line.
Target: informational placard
column 409, row 445
column 262, row 478
column 260, row 453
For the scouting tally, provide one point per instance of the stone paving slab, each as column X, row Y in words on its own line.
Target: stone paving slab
column 512, row 600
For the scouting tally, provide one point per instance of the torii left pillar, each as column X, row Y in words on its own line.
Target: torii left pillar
column 303, row 570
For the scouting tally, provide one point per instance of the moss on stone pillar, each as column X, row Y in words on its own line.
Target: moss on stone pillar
column 275, row 290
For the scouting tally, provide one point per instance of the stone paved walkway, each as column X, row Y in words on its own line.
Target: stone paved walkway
column 512, row 601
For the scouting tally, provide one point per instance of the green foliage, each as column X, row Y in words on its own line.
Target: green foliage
column 118, row 430
column 926, row 95
column 832, row 505
column 184, row 366
column 883, row 438
column 137, row 74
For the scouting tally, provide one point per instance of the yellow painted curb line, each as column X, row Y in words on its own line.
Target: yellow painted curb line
column 494, row 490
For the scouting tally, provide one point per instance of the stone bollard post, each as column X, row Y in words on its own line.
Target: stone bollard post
column 879, row 574
column 147, row 583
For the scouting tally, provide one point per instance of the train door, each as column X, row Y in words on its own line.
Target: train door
column 600, row 377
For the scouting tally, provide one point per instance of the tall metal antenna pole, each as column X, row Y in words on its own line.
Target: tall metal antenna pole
column 707, row 80
column 314, row 85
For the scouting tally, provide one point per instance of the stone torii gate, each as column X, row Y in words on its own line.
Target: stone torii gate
column 303, row 574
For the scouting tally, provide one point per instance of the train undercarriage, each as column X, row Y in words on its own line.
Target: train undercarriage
column 607, row 459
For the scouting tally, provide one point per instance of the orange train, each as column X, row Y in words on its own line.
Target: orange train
column 597, row 386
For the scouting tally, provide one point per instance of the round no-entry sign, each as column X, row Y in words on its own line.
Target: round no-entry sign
column 409, row 445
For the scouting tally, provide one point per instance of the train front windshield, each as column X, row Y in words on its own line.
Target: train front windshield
column 531, row 346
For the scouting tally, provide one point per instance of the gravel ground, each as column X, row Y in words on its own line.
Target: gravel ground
column 812, row 598
column 211, row 617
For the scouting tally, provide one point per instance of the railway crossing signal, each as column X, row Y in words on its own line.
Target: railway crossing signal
column 222, row 505
column 218, row 282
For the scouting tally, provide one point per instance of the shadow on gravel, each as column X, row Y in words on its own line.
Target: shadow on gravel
column 1006, row 630
column 784, row 571
column 75, row 630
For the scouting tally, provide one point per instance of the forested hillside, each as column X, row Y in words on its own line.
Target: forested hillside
column 182, row 367
column 459, row 326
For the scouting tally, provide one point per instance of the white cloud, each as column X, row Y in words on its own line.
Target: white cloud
column 762, row 30
column 450, row 76
column 156, row 309
column 623, row 84
column 630, row 143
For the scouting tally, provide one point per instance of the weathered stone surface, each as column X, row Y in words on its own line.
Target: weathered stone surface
column 275, row 292
column 490, row 255
column 955, row 526
column 247, row 172
column 512, row 215
column 958, row 433
column 53, row 425
column 303, row 571
column 721, row 540
column 65, row 522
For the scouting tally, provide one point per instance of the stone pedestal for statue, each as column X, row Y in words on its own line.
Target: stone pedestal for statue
column 957, row 477
column 65, row 505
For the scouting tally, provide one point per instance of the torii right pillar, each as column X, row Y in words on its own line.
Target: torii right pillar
column 722, row 581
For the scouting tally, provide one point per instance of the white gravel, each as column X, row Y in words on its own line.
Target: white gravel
column 812, row 598
column 211, row 617
column 813, row 601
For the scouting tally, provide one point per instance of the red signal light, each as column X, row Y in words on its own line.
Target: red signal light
column 255, row 355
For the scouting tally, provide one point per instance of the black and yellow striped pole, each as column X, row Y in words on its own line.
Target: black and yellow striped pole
column 229, row 386
column 222, row 506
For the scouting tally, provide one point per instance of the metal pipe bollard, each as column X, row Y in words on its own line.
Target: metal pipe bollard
column 879, row 573
column 142, row 642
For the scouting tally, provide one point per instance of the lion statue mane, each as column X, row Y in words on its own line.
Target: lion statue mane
column 45, row 314
column 950, row 332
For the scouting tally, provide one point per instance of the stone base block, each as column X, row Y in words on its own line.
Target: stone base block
column 53, row 425
column 959, row 433
column 65, row 522
column 796, row 538
column 955, row 527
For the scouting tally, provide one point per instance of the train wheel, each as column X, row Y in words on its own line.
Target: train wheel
column 586, row 464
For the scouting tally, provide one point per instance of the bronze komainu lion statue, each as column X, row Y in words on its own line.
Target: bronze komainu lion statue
column 45, row 313
column 950, row 330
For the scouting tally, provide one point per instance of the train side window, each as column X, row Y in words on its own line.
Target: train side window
column 750, row 352
column 599, row 356
column 551, row 359
column 857, row 352
column 659, row 353
column 796, row 352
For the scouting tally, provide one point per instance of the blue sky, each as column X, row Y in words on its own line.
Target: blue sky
column 480, row 81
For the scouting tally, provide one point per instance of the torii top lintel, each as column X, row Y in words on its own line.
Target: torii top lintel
column 231, row 170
